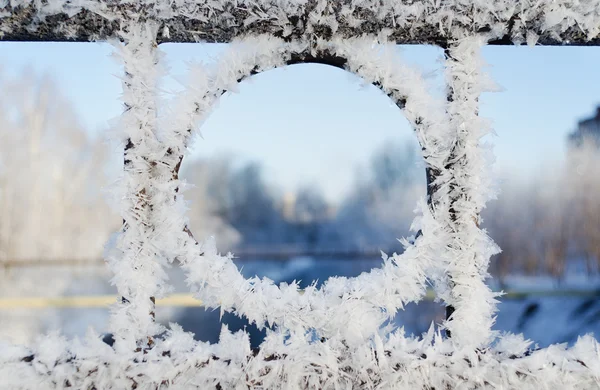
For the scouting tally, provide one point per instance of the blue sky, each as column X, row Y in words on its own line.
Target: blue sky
column 315, row 125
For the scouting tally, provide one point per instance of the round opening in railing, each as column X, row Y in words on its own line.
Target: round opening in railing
column 339, row 187
column 245, row 208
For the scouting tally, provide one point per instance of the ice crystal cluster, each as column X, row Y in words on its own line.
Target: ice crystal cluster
column 337, row 336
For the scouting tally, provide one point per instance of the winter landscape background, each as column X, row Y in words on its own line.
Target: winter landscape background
column 305, row 173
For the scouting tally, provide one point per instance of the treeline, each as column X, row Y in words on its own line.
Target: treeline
column 551, row 223
column 51, row 176
column 246, row 213
column 53, row 205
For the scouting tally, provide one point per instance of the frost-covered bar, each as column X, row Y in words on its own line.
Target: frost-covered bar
column 425, row 22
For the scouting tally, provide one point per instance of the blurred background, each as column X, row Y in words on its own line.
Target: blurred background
column 304, row 173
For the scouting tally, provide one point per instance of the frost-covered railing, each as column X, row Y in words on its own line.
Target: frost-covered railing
column 337, row 336
column 551, row 22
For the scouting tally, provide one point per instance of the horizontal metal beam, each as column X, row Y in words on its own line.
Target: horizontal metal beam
column 406, row 22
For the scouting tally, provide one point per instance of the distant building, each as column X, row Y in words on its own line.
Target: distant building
column 587, row 133
column 289, row 206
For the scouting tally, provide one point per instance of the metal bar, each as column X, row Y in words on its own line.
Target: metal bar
column 197, row 21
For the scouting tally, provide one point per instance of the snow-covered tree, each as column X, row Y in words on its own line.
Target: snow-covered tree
column 51, row 178
column 208, row 197
column 381, row 206
column 51, row 205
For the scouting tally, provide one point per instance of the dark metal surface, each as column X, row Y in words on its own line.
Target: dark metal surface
column 194, row 21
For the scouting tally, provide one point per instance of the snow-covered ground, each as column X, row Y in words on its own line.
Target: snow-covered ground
column 570, row 310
